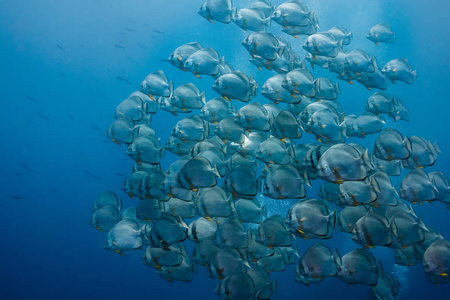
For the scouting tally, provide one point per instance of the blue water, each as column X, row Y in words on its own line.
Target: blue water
column 48, row 250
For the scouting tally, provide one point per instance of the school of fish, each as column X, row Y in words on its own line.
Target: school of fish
column 232, row 154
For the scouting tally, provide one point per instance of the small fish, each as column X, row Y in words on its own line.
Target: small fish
column 381, row 33
column 93, row 127
column 120, row 78
column 18, row 174
column 43, row 117
column 18, row 197
column 28, row 147
column 119, row 46
column 32, row 99
column 129, row 29
column 158, row 31
column 140, row 45
column 96, row 177
column 59, row 46
column 53, row 190
column 26, row 167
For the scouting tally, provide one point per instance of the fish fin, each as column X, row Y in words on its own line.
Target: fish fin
column 203, row 98
column 216, row 171
column 171, row 87
column 135, row 133
column 306, row 179
column 421, row 224
column 332, row 219
column 194, row 267
column 162, row 152
column 375, row 185
column 233, row 13
column 337, row 258
column 437, row 148
column 379, row 269
column 408, row 144
column 336, row 87
column 264, row 211
column 198, row 76
column 394, row 228
column 414, row 75
column 273, row 286
column 182, row 223
column 222, row 63
column 366, row 159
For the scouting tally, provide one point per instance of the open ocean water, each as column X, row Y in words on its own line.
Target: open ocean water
column 66, row 65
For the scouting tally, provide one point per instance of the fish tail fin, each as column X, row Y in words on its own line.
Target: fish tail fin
column 285, row 256
column 182, row 248
column 258, row 184
column 311, row 15
column 233, row 13
column 162, row 152
column 375, row 185
column 194, row 267
column 182, row 223
column 148, row 120
column 267, row 22
column 306, row 179
column 366, row 159
column 408, row 144
column 171, row 87
column 344, row 129
column 250, row 235
column 337, row 258
column 273, row 286
column 436, row 148
column 295, row 249
column 421, row 224
column 135, row 132
column 203, row 98
column 394, row 100
column 216, row 171
column 379, row 269
column 394, row 228
column 264, row 211
column 336, row 87
column 340, row 44
column 281, row 49
column 222, row 62
column 414, row 75
column 350, row 36
column 332, row 219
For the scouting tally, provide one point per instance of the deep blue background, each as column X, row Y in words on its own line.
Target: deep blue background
column 47, row 249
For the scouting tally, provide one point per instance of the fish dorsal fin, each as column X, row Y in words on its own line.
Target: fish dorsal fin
column 209, row 51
